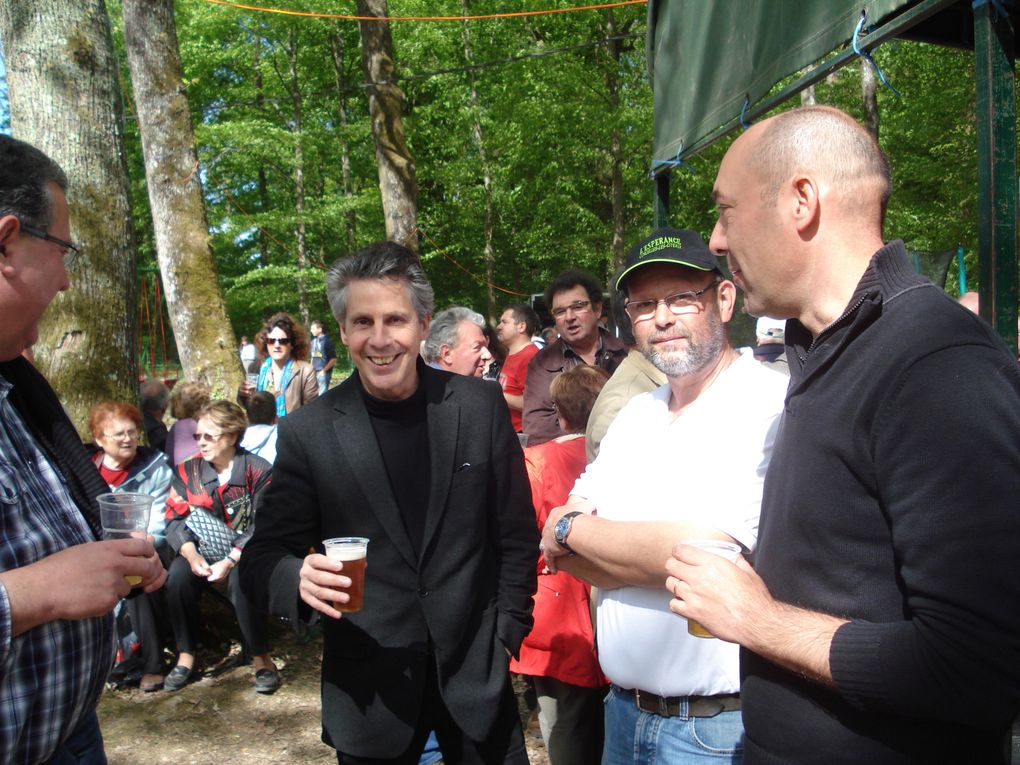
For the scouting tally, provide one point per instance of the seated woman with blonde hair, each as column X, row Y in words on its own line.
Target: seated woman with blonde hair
column 209, row 518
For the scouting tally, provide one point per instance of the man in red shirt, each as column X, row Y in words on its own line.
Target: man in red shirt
column 516, row 326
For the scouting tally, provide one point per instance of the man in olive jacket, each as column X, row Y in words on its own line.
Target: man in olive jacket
column 426, row 465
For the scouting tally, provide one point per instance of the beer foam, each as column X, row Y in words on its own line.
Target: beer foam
column 347, row 552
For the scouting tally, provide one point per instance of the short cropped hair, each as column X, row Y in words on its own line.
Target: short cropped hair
column 262, row 408
column 24, row 173
column 821, row 137
column 525, row 314
column 382, row 260
column 105, row 411
column 187, row 398
column 572, row 278
column 153, row 396
column 227, row 416
column 299, row 345
column 574, row 392
column 445, row 327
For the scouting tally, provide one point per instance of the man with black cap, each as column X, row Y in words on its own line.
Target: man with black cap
column 684, row 462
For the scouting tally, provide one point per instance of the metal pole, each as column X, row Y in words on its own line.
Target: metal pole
column 997, row 175
column 660, row 216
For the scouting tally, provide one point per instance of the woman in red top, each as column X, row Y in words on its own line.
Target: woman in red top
column 559, row 654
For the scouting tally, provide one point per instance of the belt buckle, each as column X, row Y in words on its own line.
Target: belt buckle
column 662, row 708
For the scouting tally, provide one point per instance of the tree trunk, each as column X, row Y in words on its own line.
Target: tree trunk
column 197, row 311
column 616, row 143
column 263, row 186
column 869, row 97
column 397, row 182
column 488, row 255
column 301, row 227
column 336, row 41
column 65, row 99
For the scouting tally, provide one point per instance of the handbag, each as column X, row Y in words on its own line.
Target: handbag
column 215, row 537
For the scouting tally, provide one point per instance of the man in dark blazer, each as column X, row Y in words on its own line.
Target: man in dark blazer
column 426, row 465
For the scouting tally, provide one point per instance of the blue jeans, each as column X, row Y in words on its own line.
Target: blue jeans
column 84, row 746
column 643, row 738
column 322, row 378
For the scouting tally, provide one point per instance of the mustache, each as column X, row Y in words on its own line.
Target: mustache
column 656, row 337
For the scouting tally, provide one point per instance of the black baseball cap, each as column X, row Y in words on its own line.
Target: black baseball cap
column 670, row 245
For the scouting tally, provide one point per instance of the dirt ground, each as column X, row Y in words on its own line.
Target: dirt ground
column 220, row 720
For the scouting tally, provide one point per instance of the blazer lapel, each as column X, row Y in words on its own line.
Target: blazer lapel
column 444, row 426
column 357, row 445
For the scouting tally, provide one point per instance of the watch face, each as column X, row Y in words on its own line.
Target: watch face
column 562, row 529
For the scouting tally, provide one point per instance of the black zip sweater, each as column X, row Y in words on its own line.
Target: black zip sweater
column 893, row 499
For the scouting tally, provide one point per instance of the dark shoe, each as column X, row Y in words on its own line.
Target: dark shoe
column 267, row 680
column 179, row 677
column 150, row 683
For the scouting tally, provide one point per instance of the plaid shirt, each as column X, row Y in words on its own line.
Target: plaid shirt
column 53, row 674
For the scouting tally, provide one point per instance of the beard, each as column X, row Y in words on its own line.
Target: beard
column 702, row 348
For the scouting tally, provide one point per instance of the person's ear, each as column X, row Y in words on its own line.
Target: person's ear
column 446, row 355
column 804, row 202
column 726, row 298
column 9, row 228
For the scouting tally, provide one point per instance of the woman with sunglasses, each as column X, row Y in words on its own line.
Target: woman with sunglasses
column 209, row 518
column 284, row 373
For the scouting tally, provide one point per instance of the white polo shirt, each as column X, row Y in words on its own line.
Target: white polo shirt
column 707, row 464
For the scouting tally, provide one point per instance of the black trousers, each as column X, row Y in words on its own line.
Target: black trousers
column 183, row 592
column 148, row 618
column 505, row 743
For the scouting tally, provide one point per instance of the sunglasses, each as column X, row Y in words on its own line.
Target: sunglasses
column 277, row 341
column 210, row 437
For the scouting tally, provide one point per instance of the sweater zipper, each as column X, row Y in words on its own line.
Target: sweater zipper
column 831, row 326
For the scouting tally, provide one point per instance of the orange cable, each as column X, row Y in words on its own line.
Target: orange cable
column 348, row 17
column 473, row 276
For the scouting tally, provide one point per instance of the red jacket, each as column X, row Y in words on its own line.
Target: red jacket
column 561, row 645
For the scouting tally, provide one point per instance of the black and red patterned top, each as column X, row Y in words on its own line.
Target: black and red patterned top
column 195, row 483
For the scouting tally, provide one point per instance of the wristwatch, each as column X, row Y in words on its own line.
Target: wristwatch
column 562, row 530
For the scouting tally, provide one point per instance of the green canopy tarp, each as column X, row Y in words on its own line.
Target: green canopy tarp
column 707, row 58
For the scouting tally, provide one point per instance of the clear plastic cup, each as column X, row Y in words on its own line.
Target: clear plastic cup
column 353, row 553
column 125, row 514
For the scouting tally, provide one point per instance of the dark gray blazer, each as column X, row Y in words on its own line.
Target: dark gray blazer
column 464, row 600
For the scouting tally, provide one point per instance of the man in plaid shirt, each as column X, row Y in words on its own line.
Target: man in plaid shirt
column 58, row 582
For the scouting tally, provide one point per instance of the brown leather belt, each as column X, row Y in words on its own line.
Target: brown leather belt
column 676, row 706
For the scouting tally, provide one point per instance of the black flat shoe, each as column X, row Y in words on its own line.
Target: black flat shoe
column 179, row 677
column 267, row 680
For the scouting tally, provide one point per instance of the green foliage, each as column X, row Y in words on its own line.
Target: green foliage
column 546, row 125
column 254, row 296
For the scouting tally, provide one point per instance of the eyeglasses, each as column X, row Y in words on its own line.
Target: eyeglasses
column 277, row 341
column 71, row 251
column 209, row 437
column 122, row 435
column 578, row 306
column 680, row 303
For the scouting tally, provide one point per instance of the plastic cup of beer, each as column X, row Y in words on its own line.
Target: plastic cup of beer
column 726, row 550
column 125, row 514
column 353, row 553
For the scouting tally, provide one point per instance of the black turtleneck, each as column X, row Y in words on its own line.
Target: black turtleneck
column 401, row 428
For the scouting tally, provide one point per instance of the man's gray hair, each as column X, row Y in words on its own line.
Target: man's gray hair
column 24, row 173
column 445, row 327
column 382, row 260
